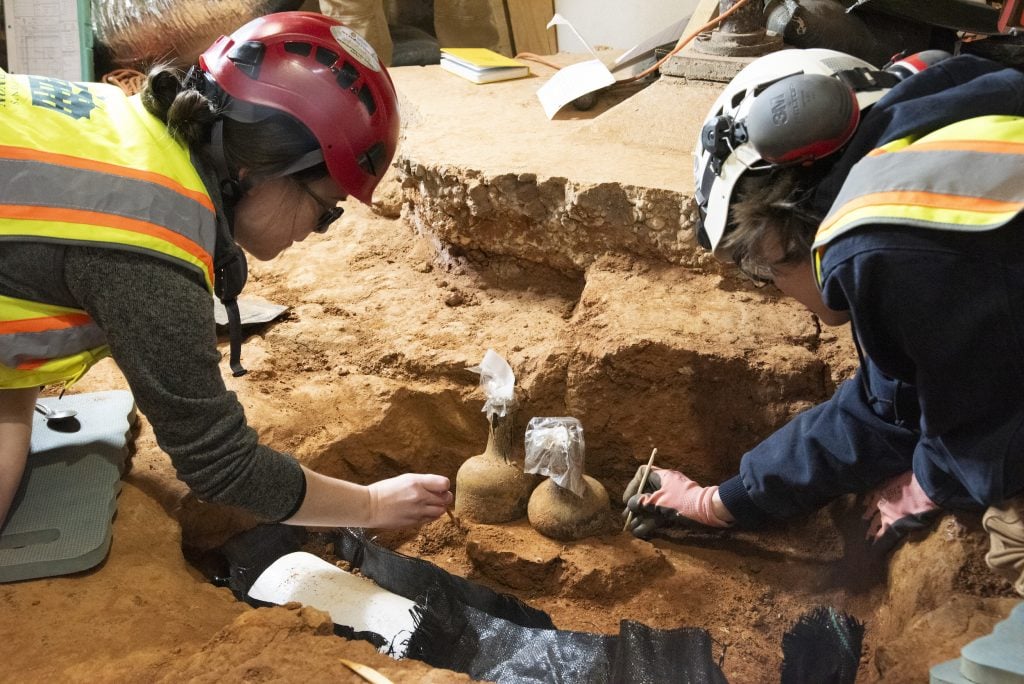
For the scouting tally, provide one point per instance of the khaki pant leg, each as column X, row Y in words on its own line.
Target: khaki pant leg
column 365, row 17
column 472, row 23
column 1005, row 527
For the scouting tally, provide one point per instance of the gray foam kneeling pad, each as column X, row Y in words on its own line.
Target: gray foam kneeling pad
column 61, row 518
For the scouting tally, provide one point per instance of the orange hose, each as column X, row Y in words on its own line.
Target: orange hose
column 683, row 43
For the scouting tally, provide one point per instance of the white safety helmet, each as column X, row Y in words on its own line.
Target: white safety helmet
column 788, row 107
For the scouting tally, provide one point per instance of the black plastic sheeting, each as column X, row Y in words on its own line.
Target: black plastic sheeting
column 465, row 627
column 463, row 639
column 824, row 646
column 469, row 628
column 415, row 579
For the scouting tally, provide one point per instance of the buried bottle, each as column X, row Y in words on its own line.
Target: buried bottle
column 492, row 487
column 569, row 504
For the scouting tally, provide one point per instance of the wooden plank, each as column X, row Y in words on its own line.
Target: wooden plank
column 529, row 19
column 473, row 23
column 705, row 11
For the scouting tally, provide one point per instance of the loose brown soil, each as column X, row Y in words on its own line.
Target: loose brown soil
column 366, row 378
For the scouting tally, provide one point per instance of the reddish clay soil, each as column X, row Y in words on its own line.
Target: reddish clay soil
column 366, row 378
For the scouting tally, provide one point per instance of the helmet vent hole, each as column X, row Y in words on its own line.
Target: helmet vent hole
column 247, row 57
column 326, row 57
column 372, row 160
column 296, row 48
column 347, row 75
column 366, row 97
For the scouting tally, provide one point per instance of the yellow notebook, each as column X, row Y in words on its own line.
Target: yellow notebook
column 481, row 65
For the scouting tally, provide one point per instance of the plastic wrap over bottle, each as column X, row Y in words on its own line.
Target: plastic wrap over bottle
column 498, row 383
column 555, row 447
column 139, row 33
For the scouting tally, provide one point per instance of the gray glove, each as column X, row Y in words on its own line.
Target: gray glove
column 646, row 517
column 670, row 498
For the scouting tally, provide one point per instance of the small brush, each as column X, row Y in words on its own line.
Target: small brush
column 643, row 482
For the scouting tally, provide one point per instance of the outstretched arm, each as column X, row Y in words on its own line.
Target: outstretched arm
column 406, row 500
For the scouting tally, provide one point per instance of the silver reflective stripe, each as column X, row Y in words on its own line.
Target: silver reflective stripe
column 120, row 247
column 974, row 174
column 17, row 348
column 48, row 185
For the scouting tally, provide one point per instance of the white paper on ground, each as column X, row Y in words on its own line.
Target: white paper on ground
column 592, row 75
column 251, row 311
column 571, row 82
column 575, row 80
column 351, row 601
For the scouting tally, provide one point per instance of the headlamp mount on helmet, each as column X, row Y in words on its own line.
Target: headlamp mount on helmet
column 721, row 136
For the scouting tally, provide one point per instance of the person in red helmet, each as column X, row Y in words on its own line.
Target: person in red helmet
column 120, row 216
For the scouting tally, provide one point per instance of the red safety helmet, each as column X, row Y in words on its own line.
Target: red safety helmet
column 324, row 75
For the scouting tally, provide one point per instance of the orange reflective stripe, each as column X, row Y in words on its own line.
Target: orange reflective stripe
column 31, row 325
column 96, row 218
column 10, row 152
column 990, row 146
column 32, row 365
column 932, row 199
column 920, row 199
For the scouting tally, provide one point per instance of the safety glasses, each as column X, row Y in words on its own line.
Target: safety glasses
column 330, row 213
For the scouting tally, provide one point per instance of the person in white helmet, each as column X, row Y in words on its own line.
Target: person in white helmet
column 894, row 205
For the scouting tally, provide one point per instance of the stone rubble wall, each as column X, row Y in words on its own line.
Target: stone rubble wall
column 549, row 222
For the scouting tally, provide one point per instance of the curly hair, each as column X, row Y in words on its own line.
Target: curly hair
column 770, row 205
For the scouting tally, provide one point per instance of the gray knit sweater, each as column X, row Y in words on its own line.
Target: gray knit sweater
column 158, row 318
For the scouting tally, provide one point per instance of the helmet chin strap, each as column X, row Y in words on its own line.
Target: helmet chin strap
column 231, row 271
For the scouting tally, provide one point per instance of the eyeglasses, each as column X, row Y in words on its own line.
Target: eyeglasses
column 330, row 213
column 760, row 275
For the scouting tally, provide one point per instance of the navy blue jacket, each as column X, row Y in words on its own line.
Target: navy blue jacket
column 939, row 318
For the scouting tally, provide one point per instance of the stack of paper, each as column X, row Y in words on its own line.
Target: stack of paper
column 481, row 65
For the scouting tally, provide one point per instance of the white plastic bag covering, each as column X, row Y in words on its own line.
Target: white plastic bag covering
column 554, row 447
column 139, row 33
column 498, row 383
column 351, row 601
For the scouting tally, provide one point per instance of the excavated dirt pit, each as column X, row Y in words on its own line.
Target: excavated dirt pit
column 366, row 378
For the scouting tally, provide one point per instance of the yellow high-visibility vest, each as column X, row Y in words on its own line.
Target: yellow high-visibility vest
column 964, row 177
column 83, row 164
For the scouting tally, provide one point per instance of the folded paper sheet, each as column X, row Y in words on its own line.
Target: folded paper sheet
column 577, row 80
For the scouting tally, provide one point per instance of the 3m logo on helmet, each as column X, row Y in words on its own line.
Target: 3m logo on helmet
column 779, row 114
column 356, row 46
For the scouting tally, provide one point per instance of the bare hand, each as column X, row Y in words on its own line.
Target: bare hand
column 407, row 500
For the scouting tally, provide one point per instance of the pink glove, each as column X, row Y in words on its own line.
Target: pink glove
column 897, row 507
column 669, row 497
